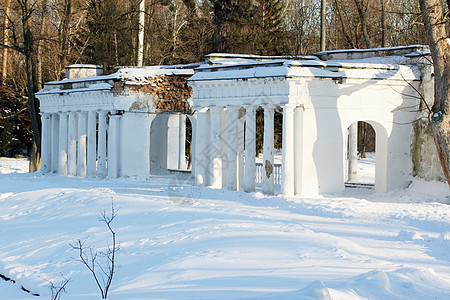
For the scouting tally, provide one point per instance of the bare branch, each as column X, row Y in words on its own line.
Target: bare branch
column 57, row 290
column 104, row 273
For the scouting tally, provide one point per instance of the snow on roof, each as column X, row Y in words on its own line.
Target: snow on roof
column 350, row 54
column 213, row 57
column 409, row 47
column 131, row 76
column 377, row 67
column 84, row 66
column 139, row 75
column 95, row 87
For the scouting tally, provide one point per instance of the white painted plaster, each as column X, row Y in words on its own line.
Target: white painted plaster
column 268, row 150
column 101, row 144
column 46, row 143
column 352, row 152
column 135, row 153
column 287, row 184
column 250, row 149
column 82, row 144
column 55, row 142
column 63, row 142
column 91, row 163
column 72, row 144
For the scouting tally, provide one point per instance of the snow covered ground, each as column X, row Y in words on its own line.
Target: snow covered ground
column 183, row 242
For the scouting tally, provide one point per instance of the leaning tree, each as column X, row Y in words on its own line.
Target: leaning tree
column 435, row 19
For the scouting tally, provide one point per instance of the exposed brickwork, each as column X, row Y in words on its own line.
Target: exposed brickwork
column 171, row 93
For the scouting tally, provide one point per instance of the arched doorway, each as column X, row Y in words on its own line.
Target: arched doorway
column 360, row 170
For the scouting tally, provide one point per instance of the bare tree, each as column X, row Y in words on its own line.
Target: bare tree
column 361, row 7
column 102, row 272
column 27, row 8
column 58, row 290
column 435, row 20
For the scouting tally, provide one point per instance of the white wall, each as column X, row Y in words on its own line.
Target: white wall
column 136, row 144
column 173, row 140
column 158, row 143
column 329, row 108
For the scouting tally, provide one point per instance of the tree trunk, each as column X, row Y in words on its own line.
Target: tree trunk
column 5, row 41
column 35, row 159
column 65, row 33
column 323, row 12
column 141, row 31
column 343, row 24
column 33, row 104
column 383, row 23
column 434, row 21
column 39, row 47
column 362, row 15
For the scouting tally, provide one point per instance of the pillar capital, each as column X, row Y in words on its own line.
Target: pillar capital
column 251, row 108
column 269, row 107
column 202, row 110
column 102, row 113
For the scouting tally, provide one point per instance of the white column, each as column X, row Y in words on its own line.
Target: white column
column 113, row 146
column 63, row 139
column 55, row 142
column 201, row 157
column 352, row 152
column 182, row 143
column 92, row 144
column 193, row 120
column 82, row 144
column 232, row 180
column 287, row 179
column 250, row 149
column 45, row 143
column 101, row 152
column 268, row 149
column 216, row 120
column 73, row 138
column 240, row 145
column 298, row 151
column 224, row 145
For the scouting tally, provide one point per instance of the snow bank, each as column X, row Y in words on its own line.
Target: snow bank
column 178, row 241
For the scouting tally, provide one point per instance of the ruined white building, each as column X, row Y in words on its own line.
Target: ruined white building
column 115, row 125
column 118, row 125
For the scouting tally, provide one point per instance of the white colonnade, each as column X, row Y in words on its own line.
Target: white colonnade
column 225, row 156
column 81, row 143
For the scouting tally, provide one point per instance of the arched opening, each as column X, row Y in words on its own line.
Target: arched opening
column 170, row 143
column 360, row 156
column 158, row 143
column 277, row 139
column 188, row 143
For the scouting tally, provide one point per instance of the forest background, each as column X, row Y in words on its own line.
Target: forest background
column 41, row 37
